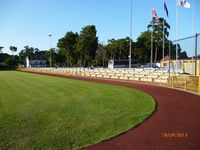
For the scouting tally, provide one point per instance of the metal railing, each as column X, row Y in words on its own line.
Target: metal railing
column 188, row 44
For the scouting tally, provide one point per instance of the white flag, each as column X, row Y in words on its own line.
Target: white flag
column 184, row 3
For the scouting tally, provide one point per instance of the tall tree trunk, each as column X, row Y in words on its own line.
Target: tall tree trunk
column 120, row 53
column 103, row 61
column 155, row 55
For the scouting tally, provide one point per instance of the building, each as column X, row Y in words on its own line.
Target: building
column 35, row 63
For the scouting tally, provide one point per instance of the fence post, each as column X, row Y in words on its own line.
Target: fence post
column 186, row 82
column 199, row 86
column 172, row 81
column 196, row 36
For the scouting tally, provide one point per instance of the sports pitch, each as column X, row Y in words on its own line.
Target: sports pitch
column 43, row 112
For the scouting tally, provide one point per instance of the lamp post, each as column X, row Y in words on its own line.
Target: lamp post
column 50, row 49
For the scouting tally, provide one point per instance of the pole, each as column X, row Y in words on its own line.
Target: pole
column 152, row 25
column 163, row 32
column 50, row 49
column 196, row 36
column 169, row 59
column 169, row 56
column 176, row 33
column 193, row 33
column 151, row 46
column 130, row 35
column 163, row 39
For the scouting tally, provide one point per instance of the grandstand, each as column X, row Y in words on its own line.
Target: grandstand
column 152, row 76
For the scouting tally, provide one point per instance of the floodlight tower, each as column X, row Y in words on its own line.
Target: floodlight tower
column 50, row 49
column 130, row 35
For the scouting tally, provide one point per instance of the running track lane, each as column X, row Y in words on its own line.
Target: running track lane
column 177, row 112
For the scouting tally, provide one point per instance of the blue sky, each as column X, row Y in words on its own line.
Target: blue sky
column 29, row 22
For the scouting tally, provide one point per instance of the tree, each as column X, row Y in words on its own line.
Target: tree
column 13, row 49
column 10, row 62
column 67, row 46
column 3, row 57
column 53, row 52
column 1, row 49
column 28, row 52
column 142, row 50
column 61, row 60
column 157, row 28
column 119, row 49
column 101, row 55
column 86, row 46
column 183, row 55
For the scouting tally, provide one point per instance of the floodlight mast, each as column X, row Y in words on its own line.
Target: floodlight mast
column 50, row 49
column 130, row 35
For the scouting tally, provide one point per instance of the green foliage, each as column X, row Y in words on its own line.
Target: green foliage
column 3, row 57
column 84, row 50
column 173, row 50
column 119, row 49
column 27, row 51
column 79, row 49
column 86, row 46
column 42, row 112
column 1, row 49
column 32, row 53
column 101, row 56
column 142, row 51
column 67, row 48
column 13, row 49
column 7, row 62
column 10, row 62
column 51, row 54
column 156, row 27
column 183, row 55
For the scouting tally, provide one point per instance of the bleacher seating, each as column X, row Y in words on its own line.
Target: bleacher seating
column 135, row 74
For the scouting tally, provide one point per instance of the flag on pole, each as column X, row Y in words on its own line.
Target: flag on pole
column 166, row 10
column 154, row 14
column 184, row 3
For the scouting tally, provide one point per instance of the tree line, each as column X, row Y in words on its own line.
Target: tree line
column 84, row 48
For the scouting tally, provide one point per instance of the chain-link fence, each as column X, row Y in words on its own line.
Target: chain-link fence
column 185, row 55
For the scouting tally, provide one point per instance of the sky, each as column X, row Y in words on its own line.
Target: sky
column 29, row 22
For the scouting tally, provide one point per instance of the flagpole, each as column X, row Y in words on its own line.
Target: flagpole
column 163, row 39
column 193, row 32
column 176, row 32
column 130, row 36
column 163, row 33
column 151, row 60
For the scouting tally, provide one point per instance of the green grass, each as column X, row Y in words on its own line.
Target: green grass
column 42, row 112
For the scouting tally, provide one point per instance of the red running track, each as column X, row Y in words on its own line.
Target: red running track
column 174, row 126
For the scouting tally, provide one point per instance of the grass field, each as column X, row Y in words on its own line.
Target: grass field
column 43, row 112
